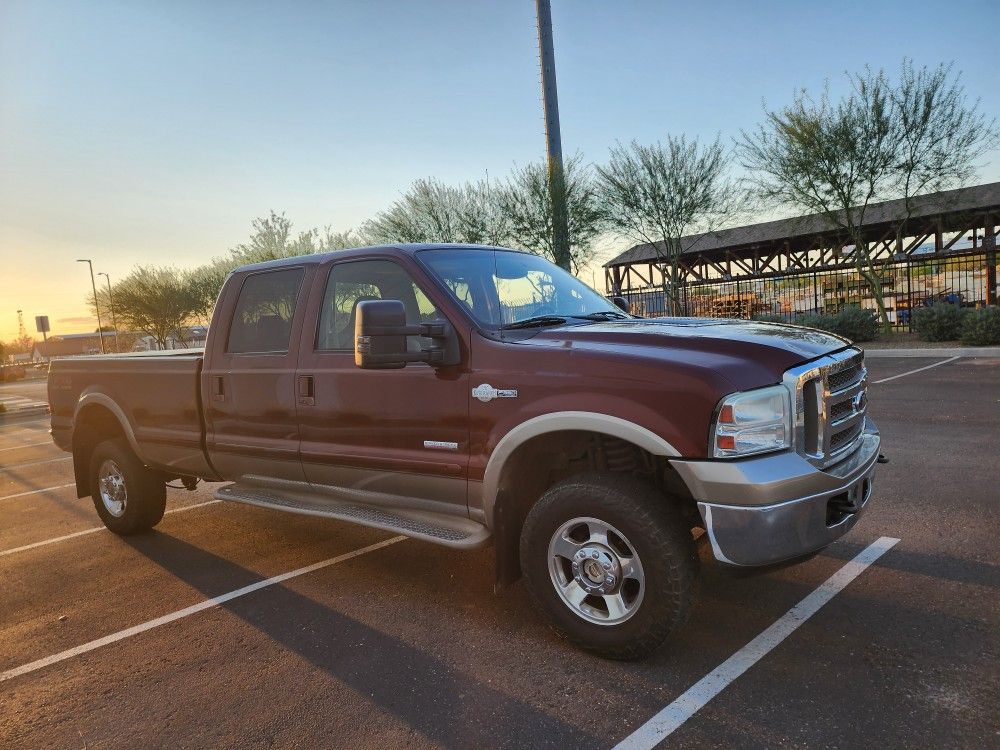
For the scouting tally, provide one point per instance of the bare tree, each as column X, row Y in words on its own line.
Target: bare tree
column 526, row 202
column 661, row 193
column 878, row 142
column 941, row 134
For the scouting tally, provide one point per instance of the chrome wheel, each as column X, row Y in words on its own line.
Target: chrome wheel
column 596, row 571
column 112, row 487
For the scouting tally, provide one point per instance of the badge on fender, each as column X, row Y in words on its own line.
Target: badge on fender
column 487, row 392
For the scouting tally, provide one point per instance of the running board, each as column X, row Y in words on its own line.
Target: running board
column 439, row 528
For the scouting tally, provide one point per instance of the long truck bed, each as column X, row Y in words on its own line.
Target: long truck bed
column 157, row 395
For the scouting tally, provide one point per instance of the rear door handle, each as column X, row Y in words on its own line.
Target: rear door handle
column 305, row 390
column 218, row 388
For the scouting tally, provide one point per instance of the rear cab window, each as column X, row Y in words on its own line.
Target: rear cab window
column 262, row 319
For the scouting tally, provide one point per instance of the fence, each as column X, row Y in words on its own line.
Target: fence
column 961, row 278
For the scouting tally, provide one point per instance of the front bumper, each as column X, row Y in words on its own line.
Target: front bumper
column 764, row 510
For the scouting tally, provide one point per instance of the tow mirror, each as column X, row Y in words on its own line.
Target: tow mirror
column 380, row 332
column 621, row 303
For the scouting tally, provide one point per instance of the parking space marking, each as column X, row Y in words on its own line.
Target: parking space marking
column 188, row 611
column 35, row 492
column 919, row 369
column 94, row 529
column 26, row 445
column 694, row 699
column 36, row 463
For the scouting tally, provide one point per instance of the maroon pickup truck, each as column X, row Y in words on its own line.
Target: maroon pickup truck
column 469, row 395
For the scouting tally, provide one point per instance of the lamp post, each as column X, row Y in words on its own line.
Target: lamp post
column 97, row 309
column 111, row 305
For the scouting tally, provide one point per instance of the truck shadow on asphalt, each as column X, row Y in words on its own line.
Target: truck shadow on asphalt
column 424, row 692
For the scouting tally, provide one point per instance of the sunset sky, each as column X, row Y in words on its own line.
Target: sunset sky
column 153, row 132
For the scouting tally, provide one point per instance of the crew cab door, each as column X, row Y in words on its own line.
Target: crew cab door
column 379, row 436
column 248, row 383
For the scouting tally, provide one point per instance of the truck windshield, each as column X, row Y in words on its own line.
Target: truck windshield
column 506, row 288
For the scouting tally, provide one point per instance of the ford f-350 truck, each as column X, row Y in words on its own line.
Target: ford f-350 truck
column 467, row 395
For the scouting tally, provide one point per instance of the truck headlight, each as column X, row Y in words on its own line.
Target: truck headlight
column 752, row 422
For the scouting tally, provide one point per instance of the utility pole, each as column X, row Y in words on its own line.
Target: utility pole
column 97, row 309
column 111, row 304
column 553, row 140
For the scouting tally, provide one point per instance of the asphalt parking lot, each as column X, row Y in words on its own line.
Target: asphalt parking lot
column 405, row 645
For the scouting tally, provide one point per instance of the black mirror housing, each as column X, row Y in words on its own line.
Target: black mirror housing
column 621, row 303
column 380, row 332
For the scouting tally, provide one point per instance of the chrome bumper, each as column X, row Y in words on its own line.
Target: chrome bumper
column 764, row 510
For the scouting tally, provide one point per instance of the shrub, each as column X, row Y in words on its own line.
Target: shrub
column 981, row 327
column 852, row 323
column 940, row 322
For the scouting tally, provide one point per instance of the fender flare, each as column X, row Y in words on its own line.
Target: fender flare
column 102, row 399
column 560, row 422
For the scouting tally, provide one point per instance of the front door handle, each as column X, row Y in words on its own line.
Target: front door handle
column 305, row 390
column 218, row 388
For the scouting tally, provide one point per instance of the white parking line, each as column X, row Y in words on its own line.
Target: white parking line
column 36, row 492
column 694, row 699
column 27, row 445
column 188, row 611
column 36, row 463
column 919, row 369
column 94, row 529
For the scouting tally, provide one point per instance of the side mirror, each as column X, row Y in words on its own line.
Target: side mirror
column 621, row 303
column 380, row 332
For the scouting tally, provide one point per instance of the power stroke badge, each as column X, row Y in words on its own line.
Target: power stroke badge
column 487, row 392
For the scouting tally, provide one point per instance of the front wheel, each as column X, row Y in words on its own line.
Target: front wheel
column 128, row 497
column 610, row 562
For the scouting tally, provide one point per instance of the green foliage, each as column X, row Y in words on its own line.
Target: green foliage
column 940, row 322
column 525, row 201
column 981, row 327
column 852, row 323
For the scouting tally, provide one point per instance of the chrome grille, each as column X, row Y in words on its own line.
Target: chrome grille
column 831, row 401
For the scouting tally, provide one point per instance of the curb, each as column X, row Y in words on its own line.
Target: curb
column 937, row 351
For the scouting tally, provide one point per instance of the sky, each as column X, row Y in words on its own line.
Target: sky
column 142, row 132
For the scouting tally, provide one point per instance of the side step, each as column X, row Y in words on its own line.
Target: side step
column 439, row 528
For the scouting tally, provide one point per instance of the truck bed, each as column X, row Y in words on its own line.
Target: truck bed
column 158, row 393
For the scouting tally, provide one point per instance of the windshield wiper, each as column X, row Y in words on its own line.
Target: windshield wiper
column 602, row 315
column 535, row 322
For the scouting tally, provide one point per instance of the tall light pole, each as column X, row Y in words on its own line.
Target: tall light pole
column 97, row 309
column 553, row 140
column 111, row 305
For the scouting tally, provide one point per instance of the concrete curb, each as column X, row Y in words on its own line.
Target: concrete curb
column 938, row 351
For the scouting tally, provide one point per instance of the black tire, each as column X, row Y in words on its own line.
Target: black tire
column 654, row 529
column 145, row 493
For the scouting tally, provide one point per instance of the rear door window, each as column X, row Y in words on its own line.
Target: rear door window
column 262, row 321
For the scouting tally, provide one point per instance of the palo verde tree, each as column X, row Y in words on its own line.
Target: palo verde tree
column 526, row 201
column 432, row 211
column 662, row 193
column 881, row 140
column 157, row 301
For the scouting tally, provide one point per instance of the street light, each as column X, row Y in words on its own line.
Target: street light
column 111, row 304
column 93, row 285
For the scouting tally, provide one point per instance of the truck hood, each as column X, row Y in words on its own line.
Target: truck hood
column 749, row 354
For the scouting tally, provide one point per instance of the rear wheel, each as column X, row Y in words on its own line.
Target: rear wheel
column 128, row 497
column 610, row 562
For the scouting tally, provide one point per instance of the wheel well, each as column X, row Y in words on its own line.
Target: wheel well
column 540, row 462
column 93, row 425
